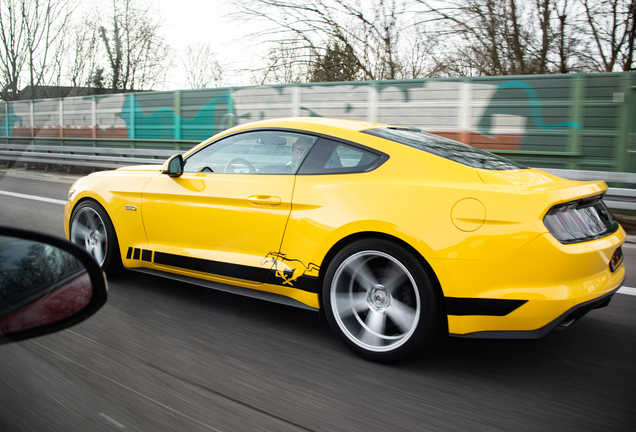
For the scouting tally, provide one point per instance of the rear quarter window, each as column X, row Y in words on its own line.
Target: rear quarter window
column 332, row 157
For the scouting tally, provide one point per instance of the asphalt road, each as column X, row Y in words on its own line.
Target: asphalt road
column 167, row 356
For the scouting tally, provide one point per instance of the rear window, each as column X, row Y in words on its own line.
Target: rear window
column 446, row 148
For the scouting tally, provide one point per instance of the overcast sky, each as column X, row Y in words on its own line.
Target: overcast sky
column 186, row 22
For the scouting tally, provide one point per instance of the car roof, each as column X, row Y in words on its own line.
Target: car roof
column 298, row 122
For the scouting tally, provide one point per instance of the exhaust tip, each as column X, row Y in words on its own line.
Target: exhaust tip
column 564, row 324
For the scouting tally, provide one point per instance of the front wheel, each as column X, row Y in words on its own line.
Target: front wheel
column 380, row 301
column 91, row 229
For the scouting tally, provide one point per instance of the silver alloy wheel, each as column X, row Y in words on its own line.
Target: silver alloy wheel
column 88, row 231
column 375, row 301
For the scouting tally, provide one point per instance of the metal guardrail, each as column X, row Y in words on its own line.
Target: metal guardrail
column 102, row 157
column 83, row 156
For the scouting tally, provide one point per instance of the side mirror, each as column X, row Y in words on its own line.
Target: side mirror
column 173, row 166
column 46, row 284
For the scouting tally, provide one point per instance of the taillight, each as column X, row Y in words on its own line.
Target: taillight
column 580, row 221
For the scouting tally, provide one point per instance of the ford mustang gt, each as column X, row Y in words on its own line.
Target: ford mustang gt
column 396, row 234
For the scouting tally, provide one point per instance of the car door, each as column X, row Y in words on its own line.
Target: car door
column 228, row 210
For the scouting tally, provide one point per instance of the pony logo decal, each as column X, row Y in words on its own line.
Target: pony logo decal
column 288, row 269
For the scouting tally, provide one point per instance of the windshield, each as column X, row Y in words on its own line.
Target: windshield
column 446, row 148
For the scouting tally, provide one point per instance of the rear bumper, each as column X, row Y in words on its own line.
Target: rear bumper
column 532, row 291
column 562, row 322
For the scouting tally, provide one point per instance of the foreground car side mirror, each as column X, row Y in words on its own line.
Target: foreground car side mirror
column 47, row 284
column 173, row 166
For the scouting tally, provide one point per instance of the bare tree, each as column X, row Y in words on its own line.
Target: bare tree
column 136, row 52
column 369, row 31
column 56, row 64
column 612, row 26
column 563, row 46
column 628, row 56
column 570, row 49
column 544, row 11
column 201, row 67
column 419, row 53
column 12, row 53
column 44, row 23
column 82, row 52
column 30, row 33
column 287, row 62
column 487, row 34
column 502, row 37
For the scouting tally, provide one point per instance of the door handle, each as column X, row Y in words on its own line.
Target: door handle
column 264, row 200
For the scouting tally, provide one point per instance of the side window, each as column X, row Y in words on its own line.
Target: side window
column 258, row 152
column 331, row 157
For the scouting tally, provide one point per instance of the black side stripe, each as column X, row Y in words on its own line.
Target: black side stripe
column 146, row 255
column 473, row 306
column 255, row 274
column 212, row 267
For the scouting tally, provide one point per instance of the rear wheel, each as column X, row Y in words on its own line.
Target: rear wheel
column 91, row 228
column 380, row 301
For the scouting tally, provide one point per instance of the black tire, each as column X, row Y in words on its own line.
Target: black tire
column 380, row 301
column 91, row 229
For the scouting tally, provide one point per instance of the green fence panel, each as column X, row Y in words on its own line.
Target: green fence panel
column 575, row 121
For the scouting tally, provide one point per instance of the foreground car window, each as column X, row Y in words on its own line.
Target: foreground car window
column 20, row 278
column 259, row 152
column 446, row 148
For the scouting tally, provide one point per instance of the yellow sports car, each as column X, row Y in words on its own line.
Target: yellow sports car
column 397, row 234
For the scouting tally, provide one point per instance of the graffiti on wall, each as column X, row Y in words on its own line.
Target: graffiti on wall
column 484, row 114
column 9, row 121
